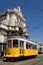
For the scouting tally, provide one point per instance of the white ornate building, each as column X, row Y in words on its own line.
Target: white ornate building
column 12, row 22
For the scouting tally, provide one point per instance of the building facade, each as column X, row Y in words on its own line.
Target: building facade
column 12, row 23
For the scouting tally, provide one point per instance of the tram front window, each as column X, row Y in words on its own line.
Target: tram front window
column 15, row 43
column 9, row 43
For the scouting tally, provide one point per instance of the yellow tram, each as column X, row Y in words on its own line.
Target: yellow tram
column 20, row 47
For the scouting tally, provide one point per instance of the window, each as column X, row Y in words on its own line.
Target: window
column 28, row 45
column 9, row 43
column 21, row 47
column 15, row 43
column 34, row 46
column 22, row 44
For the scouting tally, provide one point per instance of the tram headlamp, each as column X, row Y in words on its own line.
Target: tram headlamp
column 16, row 55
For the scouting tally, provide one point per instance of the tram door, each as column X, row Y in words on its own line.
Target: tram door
column 21, row 47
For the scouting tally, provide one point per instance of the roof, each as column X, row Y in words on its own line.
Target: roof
column 21, row 38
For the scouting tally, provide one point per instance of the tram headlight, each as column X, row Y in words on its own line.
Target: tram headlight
column 16, row 55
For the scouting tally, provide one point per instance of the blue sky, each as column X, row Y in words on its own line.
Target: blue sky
column 33, row 13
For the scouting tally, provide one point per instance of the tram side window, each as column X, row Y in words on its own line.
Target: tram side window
column 9, row 43
column 21, row 44
column 28, row 45
column 34, row 46
column 15, row 43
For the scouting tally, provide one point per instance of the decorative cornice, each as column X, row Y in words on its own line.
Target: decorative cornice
column 12, row 11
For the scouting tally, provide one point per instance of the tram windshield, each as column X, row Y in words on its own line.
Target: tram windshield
column 9, row 43
column 15, row 43
column 12, row 43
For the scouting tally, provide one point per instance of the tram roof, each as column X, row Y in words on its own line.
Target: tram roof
column 21, row 38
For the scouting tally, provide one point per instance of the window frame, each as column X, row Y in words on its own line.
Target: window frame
column 22, row 44
column 16, row 46
column 9, row 45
